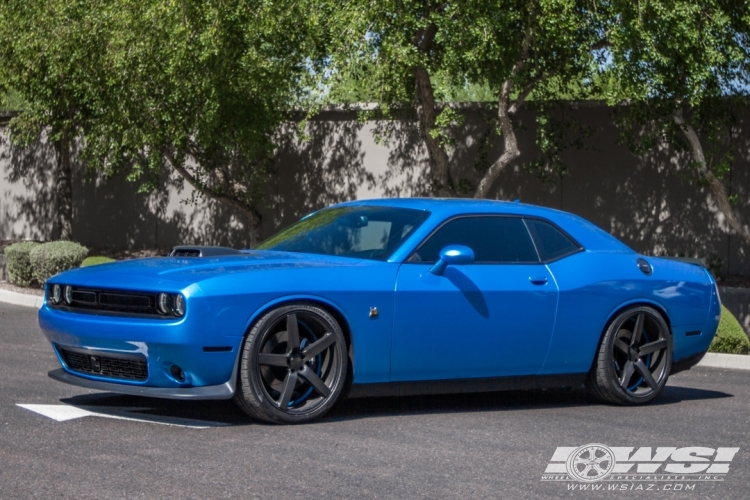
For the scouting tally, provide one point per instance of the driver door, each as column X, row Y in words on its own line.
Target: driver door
column 491, row 318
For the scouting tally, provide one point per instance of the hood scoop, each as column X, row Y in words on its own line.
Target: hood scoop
column 196, row 251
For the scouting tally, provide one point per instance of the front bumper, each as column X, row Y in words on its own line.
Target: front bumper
column 207, row 359
column 222, row 391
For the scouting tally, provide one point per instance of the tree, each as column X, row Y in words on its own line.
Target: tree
column 194, row 88
column 11, row 102
column 50, row 51
column 200, row 88
column 398, row 49
column 679, row 69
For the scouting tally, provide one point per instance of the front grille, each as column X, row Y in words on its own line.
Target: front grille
column 127, row 367
column 110, row 301
column 84, row 297
column 127, row 301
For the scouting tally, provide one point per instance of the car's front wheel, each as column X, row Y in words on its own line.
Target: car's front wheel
column 292, row 366
column 634, row 358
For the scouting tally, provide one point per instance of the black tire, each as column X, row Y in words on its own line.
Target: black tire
column 293, row 365
column 634, row 358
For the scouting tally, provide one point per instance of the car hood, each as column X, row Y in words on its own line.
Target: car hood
column 194, row 269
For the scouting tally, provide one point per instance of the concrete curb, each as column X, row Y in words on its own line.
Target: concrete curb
column 732, row 361
column 710, row 360
column 21, row 299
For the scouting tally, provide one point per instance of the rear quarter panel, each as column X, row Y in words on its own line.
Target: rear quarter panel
column 594, row 286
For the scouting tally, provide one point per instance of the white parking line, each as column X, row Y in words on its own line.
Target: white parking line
column 63, row 413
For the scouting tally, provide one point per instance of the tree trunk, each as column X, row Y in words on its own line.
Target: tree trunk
column 63, row 187
column 725, row 206
column 718, row 190
column 504, row 112
column 253, row 218
column 510, row 151
column 255, row 224
column 442, row 181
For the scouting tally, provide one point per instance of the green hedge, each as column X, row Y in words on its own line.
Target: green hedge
column 730, row 338
column 55, row 257
column 95, row 260
column 18, row 263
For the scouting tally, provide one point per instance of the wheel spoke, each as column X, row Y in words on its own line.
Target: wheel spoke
column 599, row 469
column 621, row 345
column 319, row 345
column 637, row 330
column 292, row 330
column 627, row 372
column 315, row 381
column 646, row 374
column 267, row 359
column 286, row 392
column 657, row 345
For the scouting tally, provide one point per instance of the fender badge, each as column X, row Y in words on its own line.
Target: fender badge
column 374, row 312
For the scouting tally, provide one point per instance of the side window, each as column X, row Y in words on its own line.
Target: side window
column 493, row 239
column 550, row 242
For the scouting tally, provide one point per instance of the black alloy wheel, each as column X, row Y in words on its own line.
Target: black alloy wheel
column 634, row 358
column 293, row 365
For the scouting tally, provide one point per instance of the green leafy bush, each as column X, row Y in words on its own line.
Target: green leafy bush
column 95, row 260
column 730, row 338
column 55, row 257
column 18, row 263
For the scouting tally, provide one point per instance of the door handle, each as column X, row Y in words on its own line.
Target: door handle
column 538, row 280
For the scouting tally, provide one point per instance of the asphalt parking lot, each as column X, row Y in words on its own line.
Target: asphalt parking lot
column 494, row 445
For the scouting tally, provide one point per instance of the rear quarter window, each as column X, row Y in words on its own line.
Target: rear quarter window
column 551, row 243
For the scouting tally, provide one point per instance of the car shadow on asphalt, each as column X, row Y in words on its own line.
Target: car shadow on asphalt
column 497, row 401
column 676, row 394
column 223, row 412
column 227, row 413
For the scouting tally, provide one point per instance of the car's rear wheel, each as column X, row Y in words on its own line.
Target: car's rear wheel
column 634, row 358
column 292, row 366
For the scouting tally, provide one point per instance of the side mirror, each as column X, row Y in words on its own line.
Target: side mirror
column 453, row 255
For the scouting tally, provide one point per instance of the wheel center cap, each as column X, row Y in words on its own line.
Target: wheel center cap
column 633, row 354
column 295, row 362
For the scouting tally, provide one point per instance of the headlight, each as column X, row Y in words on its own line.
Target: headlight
column 170, row 304
column 69, row 294
column 179, row 305
column 163, row 303
column 55, row 295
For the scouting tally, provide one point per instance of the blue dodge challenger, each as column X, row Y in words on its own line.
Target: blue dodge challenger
column 386, row 297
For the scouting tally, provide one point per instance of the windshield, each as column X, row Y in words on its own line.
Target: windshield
column 364, row 232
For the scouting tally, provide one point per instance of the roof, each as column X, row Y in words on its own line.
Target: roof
column 587, row 233
column 457, row 204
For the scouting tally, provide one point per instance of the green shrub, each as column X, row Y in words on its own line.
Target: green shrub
column 55, row 257
column 95, row 260
column 730, row 338
column 18, row 263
